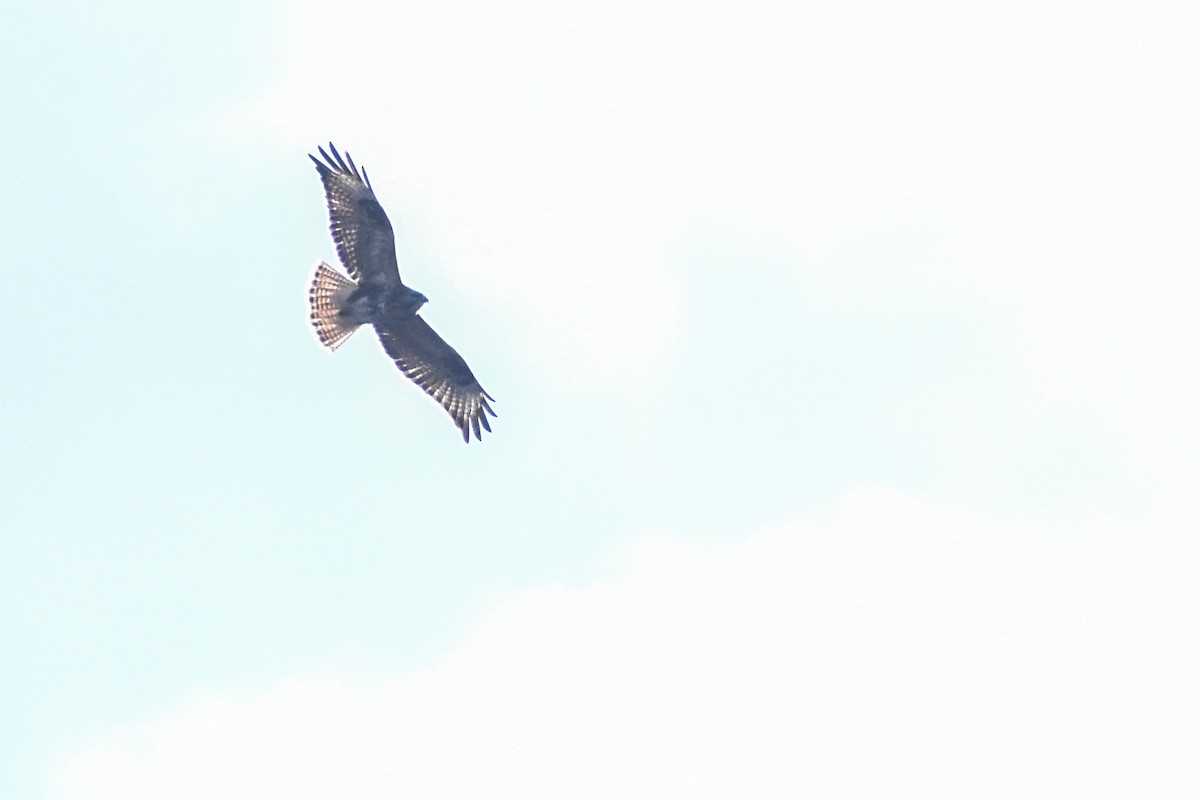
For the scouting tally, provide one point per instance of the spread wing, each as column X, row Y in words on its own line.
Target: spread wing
column 360, row 227
column 433, row 365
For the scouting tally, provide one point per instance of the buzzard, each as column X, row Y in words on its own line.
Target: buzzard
column 375, row 295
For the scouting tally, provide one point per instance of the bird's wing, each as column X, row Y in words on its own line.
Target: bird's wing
column 360, row 227
column 433, row 365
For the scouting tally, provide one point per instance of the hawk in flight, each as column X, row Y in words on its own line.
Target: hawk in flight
column 375, row 295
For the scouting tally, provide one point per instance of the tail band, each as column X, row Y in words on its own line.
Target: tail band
column 325, row 297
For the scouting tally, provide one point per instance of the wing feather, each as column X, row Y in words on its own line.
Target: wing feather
column 437, row 368
column 360, row 227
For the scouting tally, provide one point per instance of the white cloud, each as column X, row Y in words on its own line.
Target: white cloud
column 896, row 649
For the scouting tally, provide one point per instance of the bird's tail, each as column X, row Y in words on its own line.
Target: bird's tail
column 325, row 297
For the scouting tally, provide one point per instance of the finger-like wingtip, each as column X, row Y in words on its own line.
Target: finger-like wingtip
column 484, row 405
column 341, row 161
column 336, row 162
column 472, row 424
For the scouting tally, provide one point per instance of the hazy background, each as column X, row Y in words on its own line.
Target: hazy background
column 846, row 363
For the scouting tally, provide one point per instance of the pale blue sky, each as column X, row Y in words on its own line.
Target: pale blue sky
column 718, row 268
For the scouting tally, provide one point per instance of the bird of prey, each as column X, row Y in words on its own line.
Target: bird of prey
column 374, row 295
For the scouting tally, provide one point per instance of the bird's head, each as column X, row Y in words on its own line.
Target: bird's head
column 414, row 299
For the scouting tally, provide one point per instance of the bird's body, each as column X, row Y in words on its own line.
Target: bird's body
column 370, row 303
column 373, row 294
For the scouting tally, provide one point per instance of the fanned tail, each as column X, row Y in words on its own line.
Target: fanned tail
column 325, row 297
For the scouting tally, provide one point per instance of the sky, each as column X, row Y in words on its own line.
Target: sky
column 845, row 357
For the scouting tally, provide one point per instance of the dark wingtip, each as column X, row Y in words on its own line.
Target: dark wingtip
column 484, row 404
column 341, row 162
column 335, row 162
